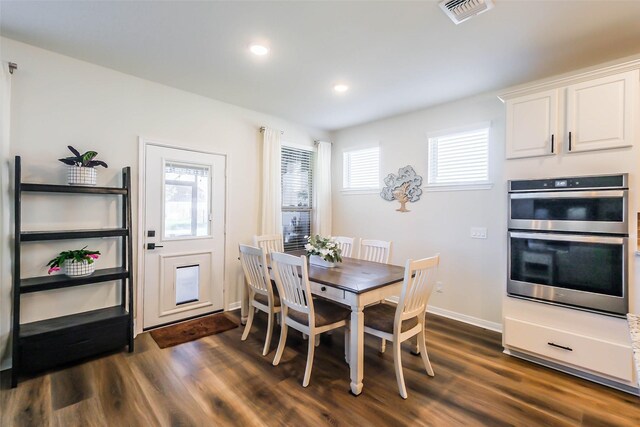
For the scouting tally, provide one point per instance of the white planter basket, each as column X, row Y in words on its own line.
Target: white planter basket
column 317, row 260
column 79, row 269
column 79, row 175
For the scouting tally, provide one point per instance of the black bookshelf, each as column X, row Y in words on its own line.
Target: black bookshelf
column 61, row 340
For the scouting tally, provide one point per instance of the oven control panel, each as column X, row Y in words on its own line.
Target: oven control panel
column 571, row 183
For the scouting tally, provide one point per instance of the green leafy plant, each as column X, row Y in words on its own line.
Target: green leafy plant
column 324, row 247
column 86, row 160
column 77, row 255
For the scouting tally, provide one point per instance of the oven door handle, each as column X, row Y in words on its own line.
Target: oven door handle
column 607, row 240
column 602, row 194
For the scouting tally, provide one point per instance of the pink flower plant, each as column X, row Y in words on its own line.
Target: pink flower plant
column 77, row 256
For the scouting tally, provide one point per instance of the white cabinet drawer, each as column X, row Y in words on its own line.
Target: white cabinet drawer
column 328, row 292
column 601, row 357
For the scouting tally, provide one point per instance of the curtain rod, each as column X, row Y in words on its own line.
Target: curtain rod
column 12, row 67
column 263, row 128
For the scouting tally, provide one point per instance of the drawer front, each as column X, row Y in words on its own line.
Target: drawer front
column 37, row 353
column 328, row 292
column 601, row 357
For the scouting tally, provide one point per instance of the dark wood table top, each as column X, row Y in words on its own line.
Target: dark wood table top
column 355, row 275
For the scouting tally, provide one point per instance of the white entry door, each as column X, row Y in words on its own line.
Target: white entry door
column 184, row 234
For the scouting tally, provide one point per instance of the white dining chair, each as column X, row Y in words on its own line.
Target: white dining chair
column 406, row 320
column 299, row 310
column 346, row 245
column 375, row 250
column 269, row 242
column 262, row 295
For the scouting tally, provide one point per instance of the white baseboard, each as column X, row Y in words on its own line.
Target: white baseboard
column 234, row 305
column 485, row 324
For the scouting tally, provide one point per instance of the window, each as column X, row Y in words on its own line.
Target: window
column 186, row 200
column 459, row 159
column 297, row 196
column 361, row 169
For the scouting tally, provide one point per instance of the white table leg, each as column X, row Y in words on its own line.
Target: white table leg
column 356, row 353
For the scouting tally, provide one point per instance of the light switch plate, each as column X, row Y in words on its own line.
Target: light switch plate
column 478, row 232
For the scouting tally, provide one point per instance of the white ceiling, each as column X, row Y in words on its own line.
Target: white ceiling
column 396, row 56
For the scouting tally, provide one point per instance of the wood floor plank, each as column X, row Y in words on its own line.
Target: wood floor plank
column 223, row 381
column 27, row 405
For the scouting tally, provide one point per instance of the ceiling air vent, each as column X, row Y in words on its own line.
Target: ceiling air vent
column 461, row 10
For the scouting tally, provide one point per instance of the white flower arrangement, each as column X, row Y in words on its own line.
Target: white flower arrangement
column 324, row 247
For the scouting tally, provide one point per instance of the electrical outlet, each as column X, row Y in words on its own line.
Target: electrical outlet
column 478, row 232
column 439, row 287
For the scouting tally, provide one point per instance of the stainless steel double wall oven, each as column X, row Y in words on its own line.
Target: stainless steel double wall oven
column 568, row 242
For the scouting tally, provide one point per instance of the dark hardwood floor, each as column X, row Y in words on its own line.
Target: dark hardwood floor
column 220, row 380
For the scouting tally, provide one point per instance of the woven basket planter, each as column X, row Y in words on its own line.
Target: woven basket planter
column 317, row 260
column 79, row 175
column 79, row 269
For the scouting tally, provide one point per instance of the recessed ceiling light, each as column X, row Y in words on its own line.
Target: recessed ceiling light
column 258, row 49
column 340, row 88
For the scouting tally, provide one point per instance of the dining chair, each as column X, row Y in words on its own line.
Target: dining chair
column 262, row 295
column 269, row 242
column 346, row 245
column 299, row 310
column 406, row 320
column 375, row 250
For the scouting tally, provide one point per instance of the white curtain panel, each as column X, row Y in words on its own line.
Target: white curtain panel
column 322, row 192
column 271, row 214
column 5, row 262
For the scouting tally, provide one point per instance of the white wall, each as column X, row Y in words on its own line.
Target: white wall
column 473, row 271
column 58, row 101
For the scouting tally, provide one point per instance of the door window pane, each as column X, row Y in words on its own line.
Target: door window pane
column 186, row 200
column 187, row 284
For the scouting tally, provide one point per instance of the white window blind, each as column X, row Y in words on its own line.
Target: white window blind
column 460, row 158
column 361, row 169
column 297, row 196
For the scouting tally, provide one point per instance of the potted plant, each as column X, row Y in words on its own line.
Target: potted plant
column 323, row 251
column 82, row 167
column 77, row 263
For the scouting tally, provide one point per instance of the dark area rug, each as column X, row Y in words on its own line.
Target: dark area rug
column 192, row 330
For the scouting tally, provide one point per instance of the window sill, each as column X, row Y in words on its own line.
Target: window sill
column 459, row 187
column 363, row 191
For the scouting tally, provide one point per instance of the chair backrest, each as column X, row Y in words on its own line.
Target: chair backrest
column 375, row 250
column 419, row 279
column 292, row 279
column 269, row 242
column 346, row 245
column 256, row 272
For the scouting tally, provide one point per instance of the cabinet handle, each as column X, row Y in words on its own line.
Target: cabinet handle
column 569, row 141
column 562, row 347
column 552, row 144
column 324, row 288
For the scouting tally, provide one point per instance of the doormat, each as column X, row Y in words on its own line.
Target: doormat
column 192, row 330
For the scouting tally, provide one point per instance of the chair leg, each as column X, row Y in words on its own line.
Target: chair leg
column 383, row 345
column 267, row 342
column 397, row 362
column 423, row 352
column 283, row 341
column 310, row 353
column 247, row 327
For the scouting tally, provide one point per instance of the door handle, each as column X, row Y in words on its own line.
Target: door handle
column 151, row 246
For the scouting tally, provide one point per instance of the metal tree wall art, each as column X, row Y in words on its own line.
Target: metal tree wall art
column 404, row 187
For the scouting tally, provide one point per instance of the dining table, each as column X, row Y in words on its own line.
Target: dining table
column 354, row 283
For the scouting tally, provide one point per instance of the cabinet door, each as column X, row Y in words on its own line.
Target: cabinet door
column 532, row 125
column 600, row 112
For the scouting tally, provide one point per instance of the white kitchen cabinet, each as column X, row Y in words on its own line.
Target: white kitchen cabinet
column 592, row 111
column 600, row 112
column 532, row 125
